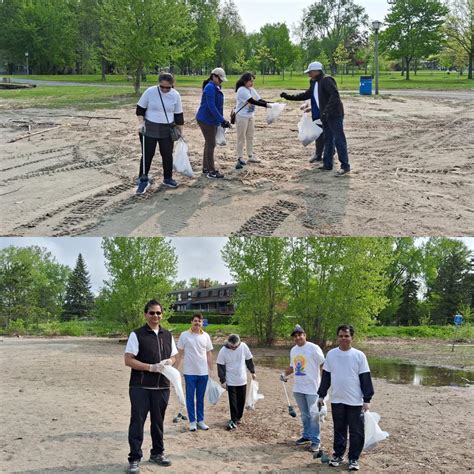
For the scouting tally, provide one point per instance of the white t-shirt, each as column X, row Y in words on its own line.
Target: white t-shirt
column 345, row 368
column 150, row 100
column 196, row 347
column 243, row 94
column 234, row 361
column 306, row 361
column 133, row 346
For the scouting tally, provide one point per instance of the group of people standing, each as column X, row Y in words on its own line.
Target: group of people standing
column 151, row 348
column 161, row 120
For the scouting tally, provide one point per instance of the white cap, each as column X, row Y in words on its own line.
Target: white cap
column 218, row 71
column 316, row 66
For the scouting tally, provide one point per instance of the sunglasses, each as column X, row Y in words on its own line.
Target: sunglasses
column 152, row 313
column 166, row 88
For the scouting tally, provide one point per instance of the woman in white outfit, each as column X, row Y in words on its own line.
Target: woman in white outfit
column 246, row 100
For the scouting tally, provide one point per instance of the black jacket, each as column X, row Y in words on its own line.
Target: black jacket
column 330, row 103
column 152, row 348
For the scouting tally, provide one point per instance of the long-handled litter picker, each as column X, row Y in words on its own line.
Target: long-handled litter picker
column 291, row 410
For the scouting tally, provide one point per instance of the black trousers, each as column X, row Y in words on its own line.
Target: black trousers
column 143, row 401
column 320, row 146
column 236, row 401
column 348, row 417
column 166, row 152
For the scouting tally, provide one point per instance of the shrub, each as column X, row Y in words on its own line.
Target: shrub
column 16, row 327
column 72, row 328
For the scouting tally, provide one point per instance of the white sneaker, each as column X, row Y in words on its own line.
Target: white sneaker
column 252, row 159
column 192, row 426
column 202, row 426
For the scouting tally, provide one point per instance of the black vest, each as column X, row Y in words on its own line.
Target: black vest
column 152, row 348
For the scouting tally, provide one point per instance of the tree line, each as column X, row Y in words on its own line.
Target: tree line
column 316, row 282
column 133, row 37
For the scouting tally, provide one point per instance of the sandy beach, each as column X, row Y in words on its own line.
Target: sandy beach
column 411, row 174
column 65, row 407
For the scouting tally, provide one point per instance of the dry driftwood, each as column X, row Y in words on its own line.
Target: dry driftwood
column 34, row 133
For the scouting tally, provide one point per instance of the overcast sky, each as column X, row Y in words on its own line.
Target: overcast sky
column 257, row 13
column 197, row 256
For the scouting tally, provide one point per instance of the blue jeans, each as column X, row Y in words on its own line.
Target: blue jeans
column 334, row 137
column 311, row 427
column 195, row 386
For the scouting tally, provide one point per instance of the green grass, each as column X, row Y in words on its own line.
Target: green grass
column 465, row 333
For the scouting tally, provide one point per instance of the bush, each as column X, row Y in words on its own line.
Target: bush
column 211, row 318
column 72, row 328
column 16, row 327
column 465, row 333
column 50, row 328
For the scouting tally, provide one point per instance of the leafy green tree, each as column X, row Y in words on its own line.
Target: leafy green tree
column 453, row 56
column 328, row 23
column 414, row 30
column 276, row 37
column 459, row 29
column 140, row 269
column 142, row 34
column 257, row 265
column 79, row 299
column 32, row 285
column 335, row 281
column 265, row 59
column 341, row 57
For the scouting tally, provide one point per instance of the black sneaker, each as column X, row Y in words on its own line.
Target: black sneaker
column 161, row 460
column 315, row 158
column 324, row 168
column 302, row 440
column 214, row 174
column 354, row 465
column 205, row 171
column 230, row 426
column 133, row 467
column 335, row 461
column 143, row 185
column 171, row 183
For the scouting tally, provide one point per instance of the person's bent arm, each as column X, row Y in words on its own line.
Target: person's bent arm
column 303, row 96
column 132, row 362
column 367, row 388
column 221, row 372
column 260, row 102
column 325, row 384
column 285, row 373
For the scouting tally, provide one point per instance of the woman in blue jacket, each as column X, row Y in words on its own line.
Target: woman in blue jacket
column 209, row 116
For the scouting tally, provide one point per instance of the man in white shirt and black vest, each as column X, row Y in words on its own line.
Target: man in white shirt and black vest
column 149, row 349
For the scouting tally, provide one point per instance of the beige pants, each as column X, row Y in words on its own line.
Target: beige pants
column 245, row 127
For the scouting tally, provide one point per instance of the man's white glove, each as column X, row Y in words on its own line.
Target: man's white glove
column 254, row 376
column 141, row 127
column 283, row 377
column 156, row 367
column 268, row 105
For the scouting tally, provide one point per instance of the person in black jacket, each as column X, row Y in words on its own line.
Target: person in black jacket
column 149, row 349
column 326, row 105
column 346, row 370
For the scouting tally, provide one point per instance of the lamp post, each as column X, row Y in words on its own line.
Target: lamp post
column 27, row 68
column 376, row 26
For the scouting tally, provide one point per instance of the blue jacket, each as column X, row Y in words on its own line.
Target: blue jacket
column 211, row 110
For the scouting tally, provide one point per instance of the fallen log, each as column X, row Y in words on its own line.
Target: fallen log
column 34, row 133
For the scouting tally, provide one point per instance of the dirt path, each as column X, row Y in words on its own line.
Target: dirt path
column 412, row 175
column 65, row 408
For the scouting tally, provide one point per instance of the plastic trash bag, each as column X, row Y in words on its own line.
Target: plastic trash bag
column 220, row 136
column 253, row 396
column 308, row 131
column 274, row 111
column 372, row 431
column 214, row 391
column 318, row 415
column 174, row 377
column 181, row 163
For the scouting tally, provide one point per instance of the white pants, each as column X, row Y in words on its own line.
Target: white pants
column 245, row 128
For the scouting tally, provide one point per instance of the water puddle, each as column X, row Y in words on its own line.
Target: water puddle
column 395, row 372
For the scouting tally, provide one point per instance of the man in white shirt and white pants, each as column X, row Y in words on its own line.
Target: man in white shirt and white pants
column 347, row 371
column 195, row 348
column 306, row 359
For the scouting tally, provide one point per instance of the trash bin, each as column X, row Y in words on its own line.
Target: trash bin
column 365, row 85
column 205, row 322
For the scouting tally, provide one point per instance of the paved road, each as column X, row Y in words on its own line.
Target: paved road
column 456, row 94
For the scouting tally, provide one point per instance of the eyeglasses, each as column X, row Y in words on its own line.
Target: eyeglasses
column 166, row 88
column 152, row 313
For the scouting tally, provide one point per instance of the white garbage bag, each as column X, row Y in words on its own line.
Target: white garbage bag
column 316, row 414
column 274, row 111
column 214, row 391
column 174, row 377
column 308, row 131
column 220, row 136
column 181, row 162
column 253, row 396
column 372, row 431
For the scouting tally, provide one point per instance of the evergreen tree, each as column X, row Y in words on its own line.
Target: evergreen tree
column 79, row 299
column 408, row 311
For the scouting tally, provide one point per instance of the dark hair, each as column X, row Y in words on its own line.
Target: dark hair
column 166, row 76
column 245, row 77
column 208, row 80
column 345, row 327
column 197, row 315
column 153, row 303
column 233, row 339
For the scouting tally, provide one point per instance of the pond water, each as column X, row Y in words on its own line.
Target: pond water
column 395, row 372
